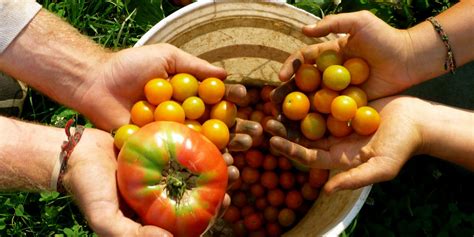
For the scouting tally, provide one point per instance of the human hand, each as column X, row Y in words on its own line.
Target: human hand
column 90, row 178
column 363, row 159
column 110, row 91
column 387, row 50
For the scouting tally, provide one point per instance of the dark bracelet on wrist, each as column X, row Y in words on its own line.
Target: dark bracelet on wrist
column 450, row 63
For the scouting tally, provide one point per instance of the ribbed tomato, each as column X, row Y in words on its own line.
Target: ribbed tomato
column 173, row 177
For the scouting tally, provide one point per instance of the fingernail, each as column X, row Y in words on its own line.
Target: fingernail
column 296, row 64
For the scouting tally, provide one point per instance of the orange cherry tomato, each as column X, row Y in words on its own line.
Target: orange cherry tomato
column 343, row 108
column 123, row 133
column 338, row 128
column 217, row 132
column 336, row 77
column 193, row 107
column 169, row 111
column 296, row 105
column 158, row 90
column 307, row 78
column 225, row 111
column 313, row 126
column 211, row 90
column 193, row 124
column 323, row 98
column 357, row 94
column 328, row 58
column 366, row 120
column 184, row 85
column 142, row 113
column 359, row 70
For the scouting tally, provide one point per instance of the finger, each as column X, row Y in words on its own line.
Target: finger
column 239, row 142
column 340, row 23
column 229, row 160
column 374, row 170
column 107, row 222
column 252, row 128
column 276, row 128
column 308, row 55
column 278, row 94
column 225, row 205
column 309, row 157
column 291, row 65
column 290, row 131
column 235, row 93
column 182, row 61
column 233, row 174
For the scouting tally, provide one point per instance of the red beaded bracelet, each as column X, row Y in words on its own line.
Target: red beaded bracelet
column 450, row 63
column 66, row 149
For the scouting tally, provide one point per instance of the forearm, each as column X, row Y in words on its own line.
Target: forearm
column 429, row 53
column 448, row 133
column 52, row 57
column 28, row 154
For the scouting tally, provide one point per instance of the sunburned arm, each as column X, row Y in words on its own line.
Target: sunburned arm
column 52, row 57
column 28, row 154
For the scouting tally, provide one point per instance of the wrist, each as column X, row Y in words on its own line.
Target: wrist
column 28, row 155
column 427, row 53
column 447, row 134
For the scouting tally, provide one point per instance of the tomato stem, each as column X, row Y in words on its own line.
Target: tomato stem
column 175, row 187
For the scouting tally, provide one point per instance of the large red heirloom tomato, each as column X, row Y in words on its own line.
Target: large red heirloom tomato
column 173, row 177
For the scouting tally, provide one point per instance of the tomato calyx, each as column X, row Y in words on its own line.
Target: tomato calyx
column 177, row 180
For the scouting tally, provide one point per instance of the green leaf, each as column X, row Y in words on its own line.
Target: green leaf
column 2, row 223
column 48, row 196
column 19, row 210
column 68, row 232
column 148, row 11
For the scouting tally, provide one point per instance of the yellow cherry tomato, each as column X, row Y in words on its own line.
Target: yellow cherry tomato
column 225, row 111
column 123, row 133
column 193, row 107
column 170, row 111
column 158, row 90
column 211, row 90
column 217, row 132
column 184, row 85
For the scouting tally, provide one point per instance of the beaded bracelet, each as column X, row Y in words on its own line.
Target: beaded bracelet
column 66, row 149
column 450, row 63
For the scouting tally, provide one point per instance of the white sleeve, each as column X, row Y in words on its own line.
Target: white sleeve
column 14, row 16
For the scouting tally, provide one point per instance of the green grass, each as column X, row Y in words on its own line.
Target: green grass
column 428, row 198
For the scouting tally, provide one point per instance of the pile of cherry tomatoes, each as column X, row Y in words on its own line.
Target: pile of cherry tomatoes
column 183, row 99
column 329, row 98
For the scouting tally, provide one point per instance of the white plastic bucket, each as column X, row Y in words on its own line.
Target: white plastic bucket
column 251, row 40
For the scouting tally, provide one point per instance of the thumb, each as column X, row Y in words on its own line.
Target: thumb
column 114, row 223
column 181, row 61
column 338, row 23
column 375, row 170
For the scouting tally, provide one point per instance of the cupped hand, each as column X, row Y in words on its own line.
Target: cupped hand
column 387, row 50
column 91, row 180
column 116, row 84
column 363, row 160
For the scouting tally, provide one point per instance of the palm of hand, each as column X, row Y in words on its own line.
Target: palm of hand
column 119, row 82
column 363, row 159
column 91, row 180
column 386, row 54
